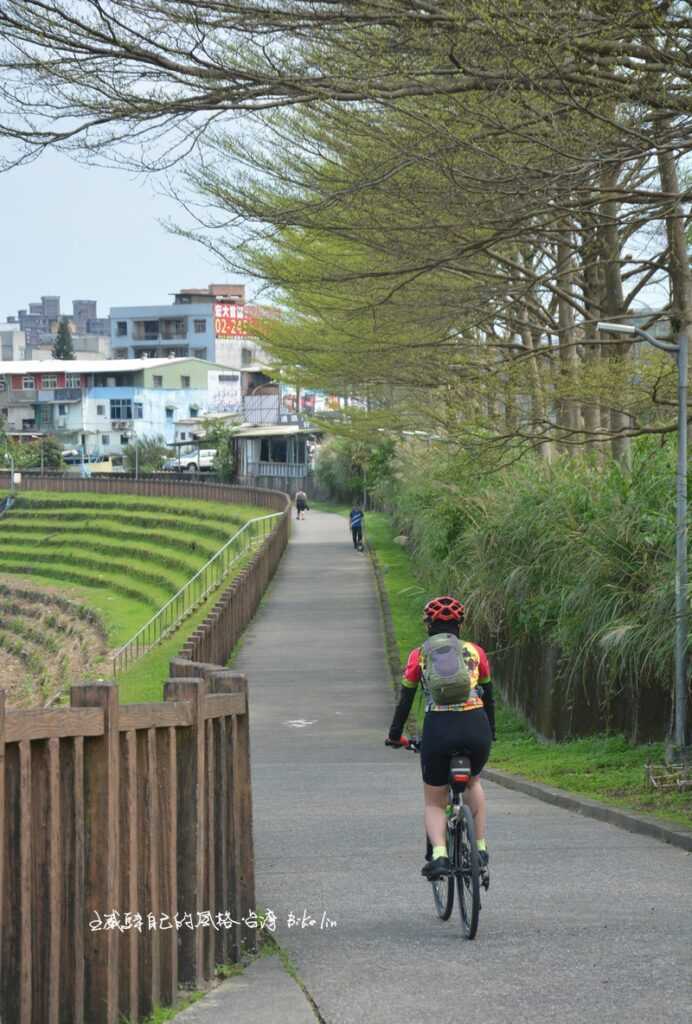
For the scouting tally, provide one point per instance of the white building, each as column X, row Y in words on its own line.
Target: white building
column 101, row 406
column 12, row 343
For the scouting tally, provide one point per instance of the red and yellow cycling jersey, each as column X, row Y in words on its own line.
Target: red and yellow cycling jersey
column 479, row 668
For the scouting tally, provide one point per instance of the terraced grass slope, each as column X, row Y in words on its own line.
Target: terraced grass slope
column 122, row 557
column 46, row 642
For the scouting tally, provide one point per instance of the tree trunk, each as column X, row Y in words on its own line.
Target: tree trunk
column 539, row 413
column 613, row 300
column 592, row 294
column 679, row 271
column 570, row 412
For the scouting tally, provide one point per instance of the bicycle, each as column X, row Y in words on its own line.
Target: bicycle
column 461, row 849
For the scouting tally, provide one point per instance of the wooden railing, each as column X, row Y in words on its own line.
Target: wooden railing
column 153, row 486
column 140, row 809
column 166, row 620
column 215, row 637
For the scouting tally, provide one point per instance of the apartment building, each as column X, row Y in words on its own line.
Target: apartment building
column 12, row 343
column 42, row 318
column 213, row 323
column 103, row 406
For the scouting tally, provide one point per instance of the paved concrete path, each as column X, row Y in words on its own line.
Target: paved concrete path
column 263, row 994
column 583, row 922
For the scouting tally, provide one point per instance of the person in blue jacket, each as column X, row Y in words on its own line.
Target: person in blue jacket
column 356, row 519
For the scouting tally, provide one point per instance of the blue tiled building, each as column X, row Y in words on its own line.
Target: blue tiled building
column 163, row 331
column 183, row 328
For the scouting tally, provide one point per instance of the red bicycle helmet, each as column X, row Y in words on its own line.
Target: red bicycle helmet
column 443, row 609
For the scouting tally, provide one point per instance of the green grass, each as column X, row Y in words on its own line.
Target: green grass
column 121, row 615
column 50, row 639
column 108, row 530
column 122, row 560
column 144, row 680
column 165, row 555
column 164, row 1013
column 406, row 595
column 604, row 768
column 123, row 557
column 177, row 508
column 81, row 561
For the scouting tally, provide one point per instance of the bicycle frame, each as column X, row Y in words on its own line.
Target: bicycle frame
column 461, row 844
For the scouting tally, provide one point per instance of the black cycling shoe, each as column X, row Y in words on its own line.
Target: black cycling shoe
column 425, row 870
column 439, row 868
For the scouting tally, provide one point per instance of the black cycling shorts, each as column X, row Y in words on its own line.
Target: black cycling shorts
column 446, row 733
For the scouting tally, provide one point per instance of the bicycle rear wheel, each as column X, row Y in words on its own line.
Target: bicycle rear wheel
column 443, row 888
column 468, row 874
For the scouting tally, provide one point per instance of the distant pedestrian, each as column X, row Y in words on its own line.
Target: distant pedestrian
column 301, row 504
column 356, row 519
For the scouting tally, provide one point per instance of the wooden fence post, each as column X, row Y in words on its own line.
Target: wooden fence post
column 240, row 806
column 102, row 849
column 190, row 823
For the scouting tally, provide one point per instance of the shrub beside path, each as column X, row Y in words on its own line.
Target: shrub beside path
column 583, row 921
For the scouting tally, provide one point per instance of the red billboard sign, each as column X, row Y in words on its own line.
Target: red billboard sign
column 232, row 320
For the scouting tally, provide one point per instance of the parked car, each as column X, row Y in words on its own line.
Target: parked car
column 192, row 461
column 72, row 457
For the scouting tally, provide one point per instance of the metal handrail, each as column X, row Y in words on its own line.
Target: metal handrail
column 191, row 594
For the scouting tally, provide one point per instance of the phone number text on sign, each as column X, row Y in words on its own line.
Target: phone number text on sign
column 230, row 321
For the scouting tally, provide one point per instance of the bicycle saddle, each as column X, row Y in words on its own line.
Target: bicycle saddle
column 459, row 772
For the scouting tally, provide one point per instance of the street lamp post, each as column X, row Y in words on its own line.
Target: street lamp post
column 680, row 351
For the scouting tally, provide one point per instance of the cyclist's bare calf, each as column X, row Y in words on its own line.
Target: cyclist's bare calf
column 435, row 817
column 436, row 798
column 474, row 798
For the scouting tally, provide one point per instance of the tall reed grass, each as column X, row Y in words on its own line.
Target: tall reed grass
column 578, row 554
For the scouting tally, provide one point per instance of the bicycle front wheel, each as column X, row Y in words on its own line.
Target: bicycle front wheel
column 468, row 874
column 443, row 888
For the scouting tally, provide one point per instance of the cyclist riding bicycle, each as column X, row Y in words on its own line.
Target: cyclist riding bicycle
column 459, row 717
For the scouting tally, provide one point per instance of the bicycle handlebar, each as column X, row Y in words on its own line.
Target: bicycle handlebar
column 408, row 744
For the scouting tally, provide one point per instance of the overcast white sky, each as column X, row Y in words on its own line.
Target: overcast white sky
column 91, row 233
